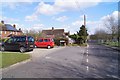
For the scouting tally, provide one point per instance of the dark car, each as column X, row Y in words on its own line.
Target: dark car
column 21, row 43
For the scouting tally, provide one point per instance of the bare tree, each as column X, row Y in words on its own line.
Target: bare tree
column 33, row 33
column 112, row 26
column 101, row 35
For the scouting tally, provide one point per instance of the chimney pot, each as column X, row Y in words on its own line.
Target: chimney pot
column 19, row 29
column 2, row 22
column 14, row 26
column 52, row 28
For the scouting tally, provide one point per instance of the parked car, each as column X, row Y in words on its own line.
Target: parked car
column 21, row 43
column 45, row 42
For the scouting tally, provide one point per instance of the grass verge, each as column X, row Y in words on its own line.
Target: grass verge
column 85, row 44
column 8, row 59
column 113, row 44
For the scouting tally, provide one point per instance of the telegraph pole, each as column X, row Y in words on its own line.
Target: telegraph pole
column 84, row 20
column 85, row 27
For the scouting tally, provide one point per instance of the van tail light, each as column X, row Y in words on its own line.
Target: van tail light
column 26, row 42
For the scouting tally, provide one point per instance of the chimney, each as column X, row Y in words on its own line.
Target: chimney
column 19, row 29
column 52, row 28
column 14, row 26
column 2, row 22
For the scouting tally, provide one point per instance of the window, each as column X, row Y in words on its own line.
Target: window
column 10, row 40
column 52, row 40
column 22, row 39
column 41, row 40
column 30, row 39
column 5, row 32
column 19, row 39
column 0, row 32
column 46, row 40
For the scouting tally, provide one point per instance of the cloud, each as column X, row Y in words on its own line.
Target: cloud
column 62, row 18
column 7, row 19
column 54, row 0
column 114, row 15
column 47, row 9
column 31, row 18
column 38, row 26
column 59, row 6
column 62, row 5
column 20, row 0
column 77, row 23
column 75, row 4
column 92, row 26
column 34, row 27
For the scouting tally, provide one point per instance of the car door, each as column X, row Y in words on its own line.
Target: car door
column 30, row 42
column 40, row 43
column 9, row 44
column 16, row 43
column 46, row 42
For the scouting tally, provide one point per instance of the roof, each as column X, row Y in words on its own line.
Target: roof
column 7, row 27
column 51, row 32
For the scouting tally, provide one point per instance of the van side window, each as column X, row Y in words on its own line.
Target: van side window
column 30, row 39
column 10, row 40
column 19, row 39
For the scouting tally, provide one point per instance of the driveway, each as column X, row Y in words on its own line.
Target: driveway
column 42, row 52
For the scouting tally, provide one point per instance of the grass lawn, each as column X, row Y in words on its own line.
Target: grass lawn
column 9, row 58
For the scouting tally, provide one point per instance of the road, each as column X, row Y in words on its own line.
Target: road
column 94, row 61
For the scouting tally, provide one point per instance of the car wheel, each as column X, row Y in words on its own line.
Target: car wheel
column 22, row 49
column 2, row 48
column 35, row 46
column 48, row 47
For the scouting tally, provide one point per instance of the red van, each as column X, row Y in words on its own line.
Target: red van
column 45, row 42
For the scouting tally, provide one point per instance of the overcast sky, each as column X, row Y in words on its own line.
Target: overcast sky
column 67, row 14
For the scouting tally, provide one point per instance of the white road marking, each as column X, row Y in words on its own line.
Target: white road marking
column 86, row 60
column 47, row 57
column 87, row 46
column 87, row 68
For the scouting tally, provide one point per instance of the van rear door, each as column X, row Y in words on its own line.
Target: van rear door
column 30, row 42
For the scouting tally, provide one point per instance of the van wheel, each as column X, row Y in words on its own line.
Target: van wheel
column 22, row 49
column 48, row 47
column 2, row 48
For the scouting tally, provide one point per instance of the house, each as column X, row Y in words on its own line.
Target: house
column 56, row 34
column 53, row 33
column 7, row 30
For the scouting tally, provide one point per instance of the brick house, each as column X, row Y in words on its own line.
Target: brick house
column 7, row 30
column 56, row 34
